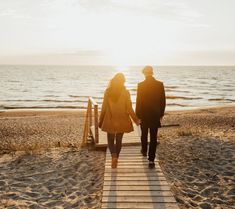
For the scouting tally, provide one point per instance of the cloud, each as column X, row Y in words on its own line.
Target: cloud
column 83, row 52
column 12, row 13
column 168, row 9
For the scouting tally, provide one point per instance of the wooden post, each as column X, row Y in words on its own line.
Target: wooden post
column 85, row 131
column 90, row 116
column 96, row 124
column 88, row 121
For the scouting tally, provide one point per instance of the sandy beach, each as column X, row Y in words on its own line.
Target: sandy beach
column 43, row 166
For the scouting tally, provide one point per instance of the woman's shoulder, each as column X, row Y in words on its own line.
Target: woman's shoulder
column 126, row 93
column 106, row 92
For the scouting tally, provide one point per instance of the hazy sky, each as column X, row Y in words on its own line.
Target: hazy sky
column 121, row 32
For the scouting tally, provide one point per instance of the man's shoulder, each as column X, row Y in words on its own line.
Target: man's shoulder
column 141, row 83
column 151, row 81
column 159, row 82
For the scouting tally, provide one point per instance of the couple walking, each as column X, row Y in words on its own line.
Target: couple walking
column 117, row 112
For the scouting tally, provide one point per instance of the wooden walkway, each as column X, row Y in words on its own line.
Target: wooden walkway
column 133, row 184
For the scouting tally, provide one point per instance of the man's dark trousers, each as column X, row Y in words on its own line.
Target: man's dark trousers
column 153, row 140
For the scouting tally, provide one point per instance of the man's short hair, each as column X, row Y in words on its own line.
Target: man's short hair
column 148, row 70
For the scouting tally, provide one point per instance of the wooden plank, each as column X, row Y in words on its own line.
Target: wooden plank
column 134, row 178
column 134, row 170
column 146, row 199
column 143, row 174
column 136, row 151
column 128, row 161
column 137, row 188
column 137, row 193
column 122, row 157
column 131, row 152
column 129, row 143
column 122, row 154
column 135, row 183
column 144, row 166
column 133, row 163
column 109, row 205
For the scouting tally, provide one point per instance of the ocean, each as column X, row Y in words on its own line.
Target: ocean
column 187, row 87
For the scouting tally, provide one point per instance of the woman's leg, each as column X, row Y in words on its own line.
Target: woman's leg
column 112, row 147
column 119, row 143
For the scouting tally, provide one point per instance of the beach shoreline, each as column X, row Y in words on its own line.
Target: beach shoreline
column 44, row 145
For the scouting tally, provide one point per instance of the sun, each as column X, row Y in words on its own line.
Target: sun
column 123, row 69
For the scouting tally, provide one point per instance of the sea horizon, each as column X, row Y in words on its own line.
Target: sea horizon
column 69, row 86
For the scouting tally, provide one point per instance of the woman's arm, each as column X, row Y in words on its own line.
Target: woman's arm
column 138, row 102
column 103, row 109
column 130, row 109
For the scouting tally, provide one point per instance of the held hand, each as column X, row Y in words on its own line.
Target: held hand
column 100, row 124
column 138, row 122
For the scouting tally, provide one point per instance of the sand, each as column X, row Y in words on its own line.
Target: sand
column 198, row 158
column 51, row 170
column 43, row 166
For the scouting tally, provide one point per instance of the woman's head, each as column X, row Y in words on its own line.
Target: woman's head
column 116, row 85
column 118, row 80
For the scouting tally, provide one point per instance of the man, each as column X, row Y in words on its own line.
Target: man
column 150, row 108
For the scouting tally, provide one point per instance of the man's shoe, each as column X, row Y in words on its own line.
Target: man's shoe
column 151, row 164
column 144, row 153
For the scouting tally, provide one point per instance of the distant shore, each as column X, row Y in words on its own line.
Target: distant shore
column 42, row 164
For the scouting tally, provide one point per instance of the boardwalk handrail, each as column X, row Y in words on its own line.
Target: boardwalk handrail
column 92, row 105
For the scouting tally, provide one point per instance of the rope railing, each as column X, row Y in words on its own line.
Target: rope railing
column 92, row 109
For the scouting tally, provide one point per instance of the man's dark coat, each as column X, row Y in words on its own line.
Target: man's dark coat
column 150, row 102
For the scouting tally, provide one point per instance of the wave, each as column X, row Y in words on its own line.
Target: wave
column 168, row 88
column 50, row 95
column 171, row 87
column 222, row 99
column 13, row 81
column 181, row 97
column 180, row 105
column 173, row 90
column 43, row 107
column 44, row 100
column 76, row 96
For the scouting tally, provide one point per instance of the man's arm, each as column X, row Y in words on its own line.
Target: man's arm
column 163, row 101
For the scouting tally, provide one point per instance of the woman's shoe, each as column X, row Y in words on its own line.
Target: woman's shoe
column 114, row 161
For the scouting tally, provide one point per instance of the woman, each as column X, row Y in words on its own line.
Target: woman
column 115, row 115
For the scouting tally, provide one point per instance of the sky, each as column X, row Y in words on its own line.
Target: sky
column 117, row 32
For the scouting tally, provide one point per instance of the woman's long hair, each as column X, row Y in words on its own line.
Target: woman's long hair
column 116, row 86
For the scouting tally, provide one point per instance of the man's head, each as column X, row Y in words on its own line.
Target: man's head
column 147, row 71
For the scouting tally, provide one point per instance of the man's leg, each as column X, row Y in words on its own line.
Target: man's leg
column 153, row 143
column 119, row 143
column 144, row 139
